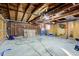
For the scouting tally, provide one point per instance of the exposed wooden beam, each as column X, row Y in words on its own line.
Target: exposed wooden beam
column 12, row 4
column 8, row 10
column 67, row 5
column 14, row 10
column 36, row 7
column 57, row 6
column 75, row 10
column 41, row 10
column 49, row 10
column 34, row 19
column 25, row 11
column 68, row 14
column 16, row 15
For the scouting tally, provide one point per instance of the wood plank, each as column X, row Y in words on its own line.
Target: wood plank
column 17, row 11
column 8, row 11
column 25, row 11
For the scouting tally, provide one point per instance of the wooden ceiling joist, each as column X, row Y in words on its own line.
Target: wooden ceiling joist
column 30, row 12
column 25, row 11
column 16, row 15
column 34, row 19
column 38, row 6
column 2, row 7
column 38, row 11
column 8, row 11
column 57, row 6
column 63, row 7
column 50, row 10
column 68, row 13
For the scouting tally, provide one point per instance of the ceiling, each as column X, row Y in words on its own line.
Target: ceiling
column 30, row 12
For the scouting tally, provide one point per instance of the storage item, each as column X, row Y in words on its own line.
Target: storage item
column 29, row 33
column 11, row 37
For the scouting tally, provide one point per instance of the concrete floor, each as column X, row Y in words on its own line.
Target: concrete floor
column 39, row 46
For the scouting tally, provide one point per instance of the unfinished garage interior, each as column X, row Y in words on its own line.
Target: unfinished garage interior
column 39, row 29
